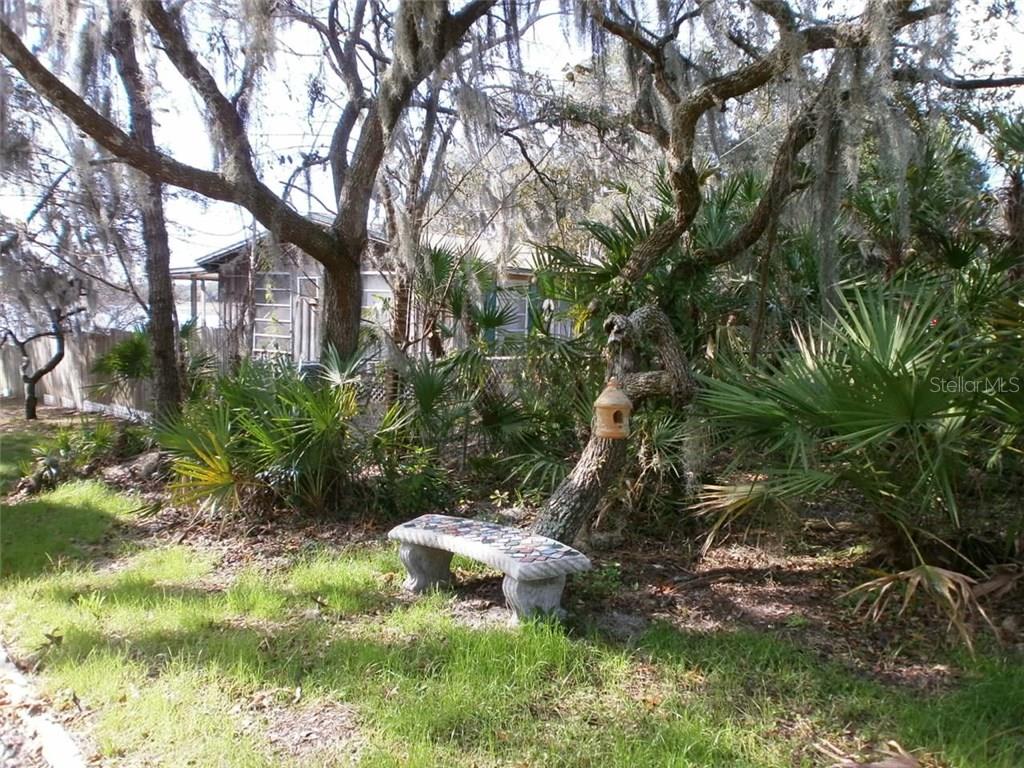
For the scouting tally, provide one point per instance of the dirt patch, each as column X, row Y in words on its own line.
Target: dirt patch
column 800, row 595
column 320, row 732
column 12, row 418
column 480, row 613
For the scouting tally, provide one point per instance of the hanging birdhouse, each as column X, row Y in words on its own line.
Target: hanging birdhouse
column 613, row 409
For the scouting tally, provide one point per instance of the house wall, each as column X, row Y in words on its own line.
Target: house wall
column 275, row 312
column 284, row 295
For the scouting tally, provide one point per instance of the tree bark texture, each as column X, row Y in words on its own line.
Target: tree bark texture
column 576, row 501
column 163, row 319
column 399, row 334
column 342, row 307
column 577, row 498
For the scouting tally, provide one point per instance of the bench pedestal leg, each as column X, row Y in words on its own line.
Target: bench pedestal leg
column 527, row 598
column 428, row 568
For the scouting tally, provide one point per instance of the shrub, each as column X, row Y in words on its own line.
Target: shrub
column 130, row 362
column 273, row 436
column 874, row 401
column 74, row 449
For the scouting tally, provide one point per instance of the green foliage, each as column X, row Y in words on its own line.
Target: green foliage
column 873, row 400
column 1007, row 139
column 601, row 583
column 273, row 436
column 15, row 456
column 667, row 451
column 92, row 441
column 129, row 360
column 937, row 212
column 201, row 368
column 457, row 290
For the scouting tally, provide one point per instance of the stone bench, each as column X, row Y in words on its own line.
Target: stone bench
column 535, row 567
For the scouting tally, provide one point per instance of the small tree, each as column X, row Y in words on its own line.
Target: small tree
column 41, row 292
column 29, row 377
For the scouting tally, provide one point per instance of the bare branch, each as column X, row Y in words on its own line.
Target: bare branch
column 686, row 112
column 549, row 184
column 222, row 111
column 916, row 75
column 422, row 55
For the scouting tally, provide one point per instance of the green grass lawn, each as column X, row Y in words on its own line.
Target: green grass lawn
column 170, row 654
column 15, row 449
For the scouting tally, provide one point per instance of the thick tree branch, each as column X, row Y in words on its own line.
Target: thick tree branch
column 674, row 380
column 226, row 118
column 577, row 499
column 780, row 186
column 686, row 112
column 779, row 11
column 265, row 206
column 424, row 43
column 105, row 133
column 346, row 54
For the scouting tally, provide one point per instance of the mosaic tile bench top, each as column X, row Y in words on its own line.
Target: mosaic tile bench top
column 520, row 554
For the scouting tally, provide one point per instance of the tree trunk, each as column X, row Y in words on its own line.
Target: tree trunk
column 829, row 193
column 577, row 499
column 342, row 307
column 29, row 380
column 163, row 321
column 163, row 318
column 575, row 502
column 399, row 335
column 30, row 400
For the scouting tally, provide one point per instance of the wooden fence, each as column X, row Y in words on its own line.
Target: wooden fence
column 72, row 384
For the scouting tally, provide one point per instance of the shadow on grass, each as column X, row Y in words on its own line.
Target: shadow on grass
column 432, row 691
column 15, row 448
column 977, row 723
column 65, row 524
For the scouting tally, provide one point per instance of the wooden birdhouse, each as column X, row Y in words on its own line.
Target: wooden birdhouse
column 613, row 409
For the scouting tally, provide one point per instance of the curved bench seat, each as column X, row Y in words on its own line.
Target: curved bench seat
column 535, row 566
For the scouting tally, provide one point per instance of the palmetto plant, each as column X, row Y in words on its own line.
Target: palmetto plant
column 275, row 435
column 936, row 211
column 953, row 592
column 460, row 294
column 126, row 364
column 868, row 401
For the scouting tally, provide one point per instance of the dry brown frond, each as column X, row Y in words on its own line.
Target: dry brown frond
column 951, row 591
